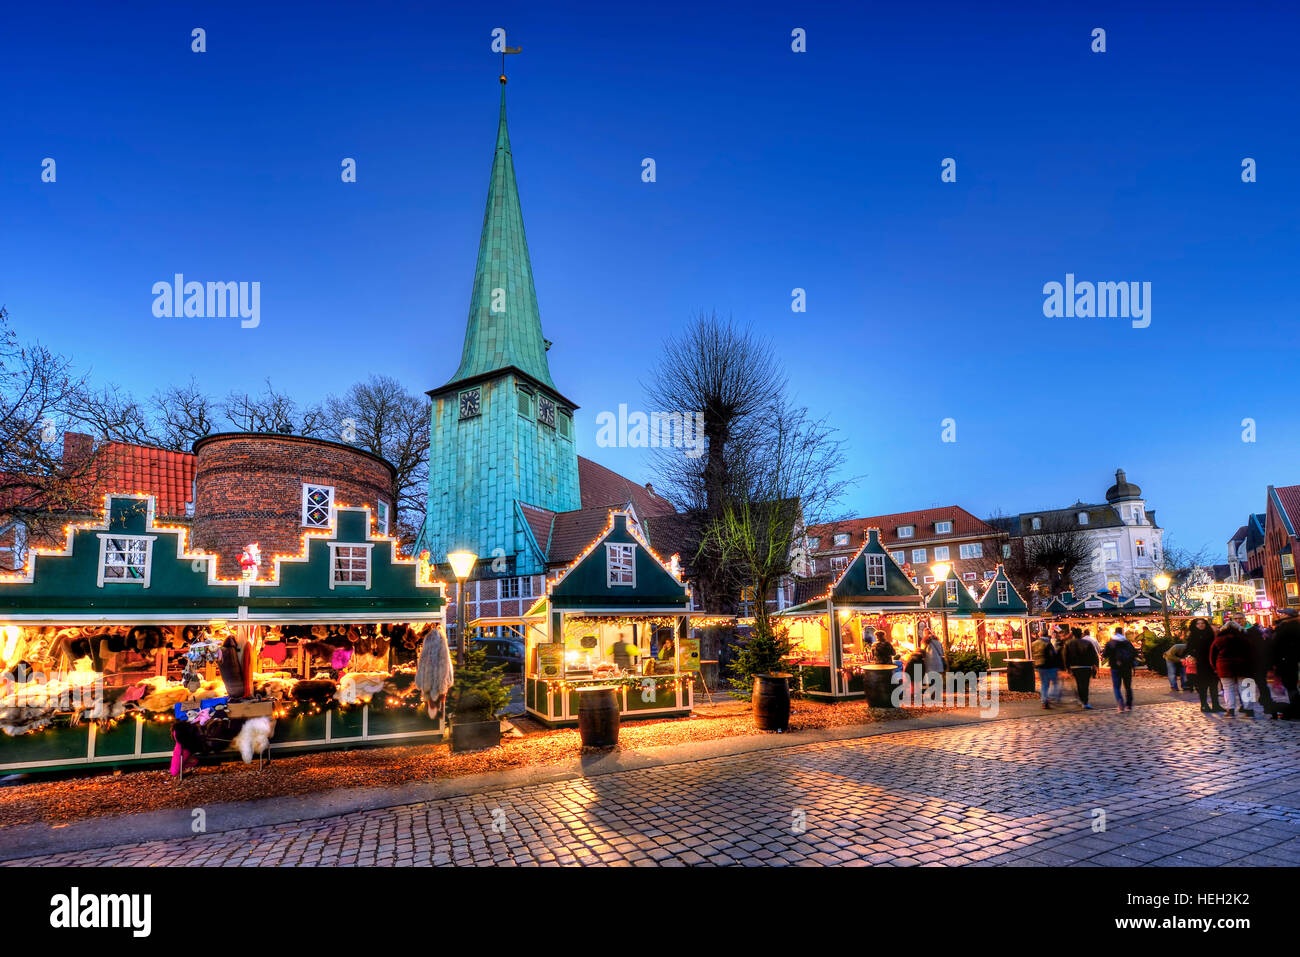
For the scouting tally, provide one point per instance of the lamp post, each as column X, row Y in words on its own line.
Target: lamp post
column 941, row 570
column 462, row 563
column 1163, row 582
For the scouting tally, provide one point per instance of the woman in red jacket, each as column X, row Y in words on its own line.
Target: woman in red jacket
column 1232, row 659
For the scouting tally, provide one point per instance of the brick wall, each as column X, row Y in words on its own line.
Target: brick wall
column 250, row 488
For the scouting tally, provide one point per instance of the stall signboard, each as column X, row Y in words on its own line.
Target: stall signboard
column 550, row 661
column 689, row 655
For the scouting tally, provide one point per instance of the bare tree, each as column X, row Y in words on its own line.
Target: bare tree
column 39, row 396
column 182, row 416
column 1050, row 554
column 272, row 411
column 788, row 479
column 113, row 413
column 731, row 377
column 382, row 417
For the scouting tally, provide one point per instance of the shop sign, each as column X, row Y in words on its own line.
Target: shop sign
column 550, row 661
column 689, row 655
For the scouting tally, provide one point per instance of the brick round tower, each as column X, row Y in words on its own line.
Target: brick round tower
column 270, row 489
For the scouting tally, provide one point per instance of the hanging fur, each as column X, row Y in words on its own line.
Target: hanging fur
column 359, row 686
column 254, row 738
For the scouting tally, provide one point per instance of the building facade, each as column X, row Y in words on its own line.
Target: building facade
column 916, row 540
column 1124, row 544
column 1281, row 519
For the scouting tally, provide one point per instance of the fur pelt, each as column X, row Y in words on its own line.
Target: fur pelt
column 274, row 686
column 360, row 685
column 254, row 738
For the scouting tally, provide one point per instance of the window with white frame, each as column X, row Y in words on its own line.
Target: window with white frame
column 620, row 565
column 906, row 531
column 812, row 543
column 929, row 579
column 875, row 571
column 1083, row 518
column 381, row 516
column 1110, row 551
column 351, row 564
column 1002, row 593
column 972, row 550
column 943, row 528
column 1137, row 514
column 969, row 576
column 125, row 558
column 1141, row 547
column 950, row 591
column 1288, row 562
column 989, row 574
column 918, row 554
column 899, row 556
column 1006, row 551
column 517, row 587
column 839, row 563
column 941, row 553
column 841, row 540
column 317, row 502
column 1035, row 523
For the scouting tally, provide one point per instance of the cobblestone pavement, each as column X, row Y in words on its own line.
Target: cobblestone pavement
column 1176, row 788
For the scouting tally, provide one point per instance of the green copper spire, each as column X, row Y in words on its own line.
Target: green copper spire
column 504, row 327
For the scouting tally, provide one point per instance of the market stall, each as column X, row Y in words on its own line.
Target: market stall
column 1102, row 612
column 618, row 617
column 995, row 624
column 125, row 635
column 833, row 632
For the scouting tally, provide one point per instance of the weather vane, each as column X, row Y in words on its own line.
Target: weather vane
column 504, row 51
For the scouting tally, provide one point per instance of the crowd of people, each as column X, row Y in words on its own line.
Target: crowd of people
column 1234, row 669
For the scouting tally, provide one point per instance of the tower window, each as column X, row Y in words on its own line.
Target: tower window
column 525, row 403
column 317, row 502
column 381, row 516
column 564, row 424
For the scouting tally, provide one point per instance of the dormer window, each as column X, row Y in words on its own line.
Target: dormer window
column 950, row 591
column 841, row 540
column 813, row 542
column 943, row 528
column 1083, row 518
column 1035, row 523
column 1002, row 593
column 906, row 531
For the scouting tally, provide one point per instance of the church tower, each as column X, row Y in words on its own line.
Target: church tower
column 501, row 434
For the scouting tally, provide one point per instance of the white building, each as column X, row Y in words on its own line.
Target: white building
column 1125, row 543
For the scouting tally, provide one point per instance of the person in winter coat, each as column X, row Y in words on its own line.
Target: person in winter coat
column 1230, row 656
column 1200, row 636
column 933, row 651
column 1047, row 662
column 1286, row 657
column 1174, row 666
column 1261, row 655
column 1080, row 657
column 1120, row 654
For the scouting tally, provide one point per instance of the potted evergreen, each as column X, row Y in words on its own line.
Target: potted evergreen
column 759, row 671
column 474, row 701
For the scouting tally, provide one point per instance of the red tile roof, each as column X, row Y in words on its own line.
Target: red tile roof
column 599, row 485
column 1289, row 496
column 574, row 531
column 169, row 476
column 964, row 525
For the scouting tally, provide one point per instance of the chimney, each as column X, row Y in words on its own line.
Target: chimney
column 649, row 488
column 77, row 450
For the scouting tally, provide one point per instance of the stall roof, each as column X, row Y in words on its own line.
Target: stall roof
column 617, row 573
column 871, row 582
column 127, row 568
column 958, row 600
column 1004, row 602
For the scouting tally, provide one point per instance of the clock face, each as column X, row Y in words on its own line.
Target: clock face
column 469, row 403
column 545, row 411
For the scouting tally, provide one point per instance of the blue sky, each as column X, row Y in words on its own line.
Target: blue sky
column 776, row 170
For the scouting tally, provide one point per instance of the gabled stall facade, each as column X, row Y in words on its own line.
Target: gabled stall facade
column 97, row 636
column 617, row 616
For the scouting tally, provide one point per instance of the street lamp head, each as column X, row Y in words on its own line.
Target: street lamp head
column 462, row 563
column 940, row 570
column 1163, row 581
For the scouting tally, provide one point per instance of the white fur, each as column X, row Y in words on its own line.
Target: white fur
column 253, row 738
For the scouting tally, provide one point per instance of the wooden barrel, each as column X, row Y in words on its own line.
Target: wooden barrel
column 598, row 717
column 772, row 702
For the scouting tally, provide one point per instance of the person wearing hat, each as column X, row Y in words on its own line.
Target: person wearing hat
column 1286, row 657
